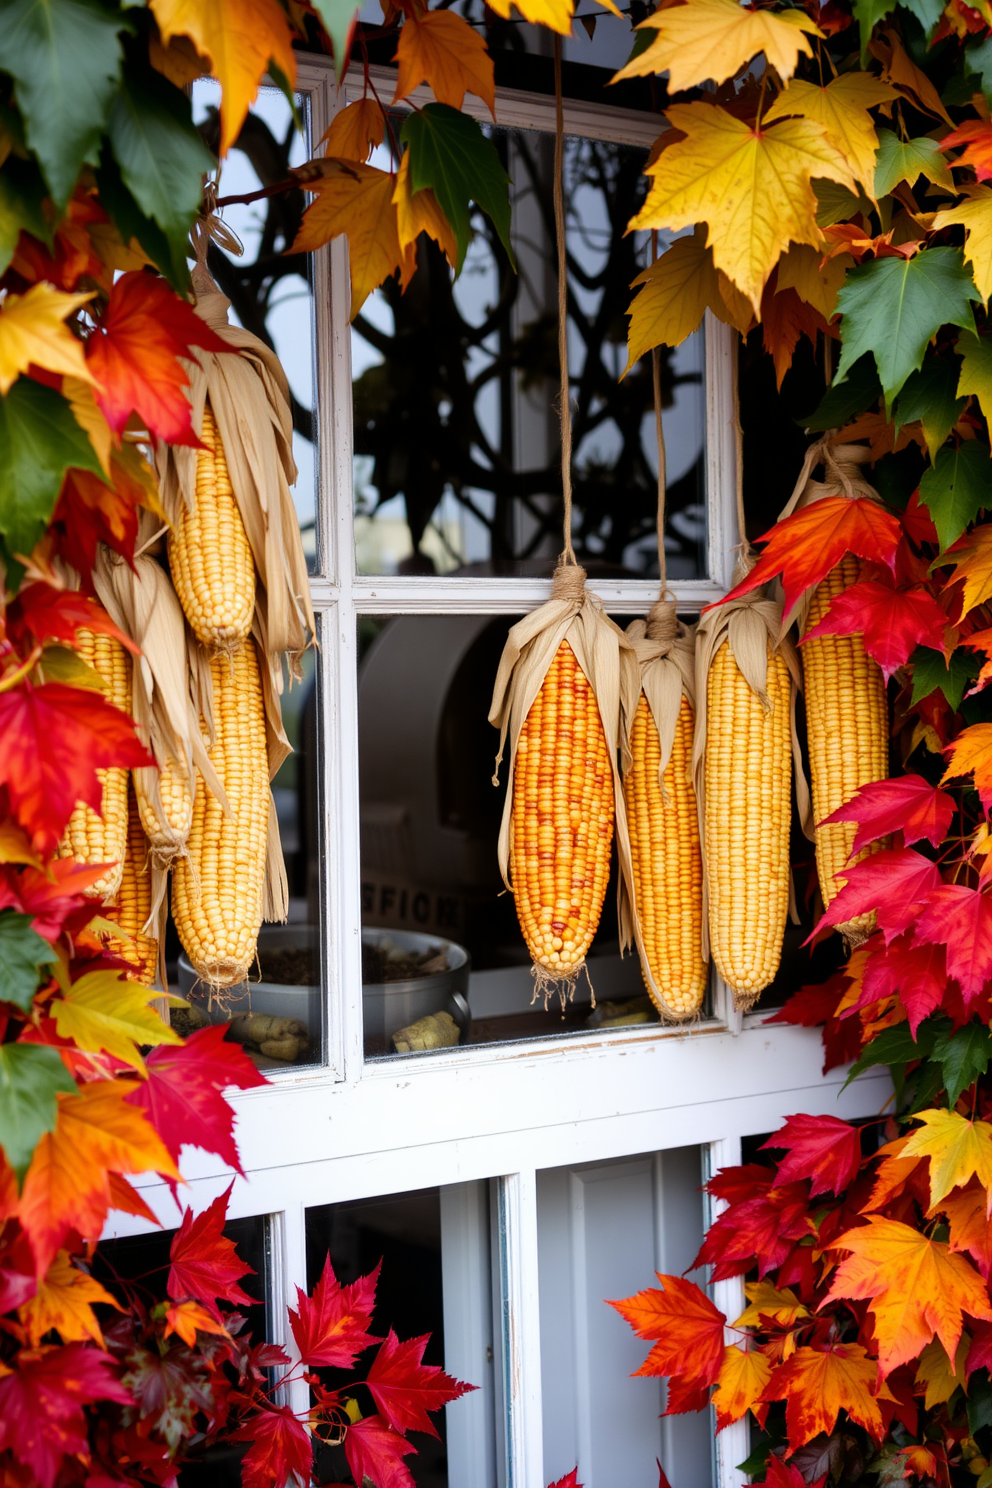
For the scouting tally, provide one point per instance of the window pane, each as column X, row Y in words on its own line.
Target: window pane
column 269, row 289
column 457, row 455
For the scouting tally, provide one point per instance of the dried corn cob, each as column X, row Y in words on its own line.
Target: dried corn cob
column 102, row 838
column 209, row 554
column 132, row 904
column 562, row 825
column 217, row 889
column 165, row 805
column 848, row 732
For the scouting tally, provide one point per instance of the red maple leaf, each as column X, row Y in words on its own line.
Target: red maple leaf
column 812, row 1005
column 662, row 1477
column 916, row 974
column 960, row 919
column 804, row 548
column 758, row 1231
column 909, row 804
column 375, row 1451
column 685, row 1396
column 688, row 1327
column 41, row 1404
column 745, row 1181
column 134, row 351
column 896, row 883
column 917, row 523
column 183, row 1094
column 205, row 1264
column 404, row 1389
column 43, row 613
column 91, row 511
column 893, row 621
column 821, row 1148
column 976, row 134
column 280, row 1447
column 53, row 896
column 330, row 1327
column 779, row 1474
column 53, row 739
column 570, row 1480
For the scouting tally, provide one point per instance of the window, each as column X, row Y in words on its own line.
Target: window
column 538, row 1168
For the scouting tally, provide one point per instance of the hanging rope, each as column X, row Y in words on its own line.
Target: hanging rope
column 567, row 558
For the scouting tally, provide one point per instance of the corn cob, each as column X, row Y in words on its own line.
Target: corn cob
column 133, row 902
column 848, row 731
column 667, row 863
column 166, row 821
column 562, row 825
column 209, row 554
column 217, row 888
column 92, row 837
column 747, row 814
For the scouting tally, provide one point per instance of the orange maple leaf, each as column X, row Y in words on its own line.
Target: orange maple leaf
column 916, row 1287
column 686, row 1323
column 358, row 201
column 64, row 1302
column 976, row 134
column 817, row 1385
column 971, row 754
column 67, row 1187
column 188, row 1318
column 784, row 318
column 966, row 1212
column 356, row 131
column 440, row 48
column 740, row 1388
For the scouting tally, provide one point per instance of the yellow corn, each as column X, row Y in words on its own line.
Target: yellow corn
column 102, row 838
column 748, row 807
column 217, row 888
column 847, row 726
column 562, row 827
column 133, row 902
column 209, row 553
column 667, row 863
column 167, row 831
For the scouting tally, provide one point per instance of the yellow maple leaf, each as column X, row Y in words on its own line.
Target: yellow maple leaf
column 104, row 1011
column 818, row 284
column 907, row 79
column 64, row 1302
column 974, row 214
column 356, row 131
column 88, row 415
column 750, row 185
column 357, row 201
column 239, row 38
column 939, row 1376
column 842, row 108
column 743, row 1377
column 976, row 370
column 710, row 40
column 766, row 1301
column 674, row 292
column 555, row 14
column 971, row 556
column 33, row 329
column 442, row 49
column 417, row 212
column 958, row 1149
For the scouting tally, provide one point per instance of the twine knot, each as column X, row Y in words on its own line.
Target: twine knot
column 662, row 623
column 569, row 582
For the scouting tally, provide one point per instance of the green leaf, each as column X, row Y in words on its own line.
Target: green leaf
column 834, row 202
column 930, row 396
column 39, row 441
column 22, row 953
column 131, row 222
column 976, row 370
column 22, row 192
column 930, row 672
column 978, row 59
column 906, row 160
column 964, row 1055
column 30, row 1077
column 859, row 390
column 893, row 306
column 339, row 18
column 868, row 13
column 956, row 488
column 450, row 154
column 894, row 1046
column 65, row 59
column 161, row 156
column 927, row 12
column 979, row 1401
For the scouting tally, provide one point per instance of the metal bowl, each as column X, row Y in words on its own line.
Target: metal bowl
column 389, row 1006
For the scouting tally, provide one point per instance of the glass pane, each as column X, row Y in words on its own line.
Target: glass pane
column 438, row 930
column 457, row 463
column 270, row 290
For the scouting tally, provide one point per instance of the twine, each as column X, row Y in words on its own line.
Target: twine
column 564, row 406
column 210, row 227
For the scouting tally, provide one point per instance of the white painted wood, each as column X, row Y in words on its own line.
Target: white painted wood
column 468, row 1333
column 731, row 1445
column 521, row 1329
column 288, row 1269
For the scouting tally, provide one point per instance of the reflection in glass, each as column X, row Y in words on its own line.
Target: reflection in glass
column 270, row 290
column 457, row 465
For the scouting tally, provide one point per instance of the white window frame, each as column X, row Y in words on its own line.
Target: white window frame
column 352, row 1129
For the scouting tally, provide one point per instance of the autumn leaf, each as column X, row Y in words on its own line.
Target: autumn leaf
column 417, row 212
column 102, row 1010
column 821, row 1148
column 134, row 354
column 897, row 883
column 805, row 546
column 975, row 378
column 405, row 1389
column 916, row 974
column 815, row 280
column 674, row 293
column 784, row 318
column 555, row 14
column 780, row 1474
column 766, row 1301
column 976, row 136
column 892, row 621
column 450, row 154
column 756, row 1231
column 47, row 614
column 280, row 1447
column 907, row 804
column 63, row 1304
column 685, row 1323
column 960, row 919
column 570, row 1480
column 189, row 1318
column 939, row 1377
column 205, row 1266
column 818, row 1384
column 971, row 559
column 710, row 40
column 439, row 47
column 52, row 741
column 375, row 1452
column 238, row 38
column 41, row 1405
column 958, row 1149
column 969, row 1226
column 33, row 329
column 67, row 1184
column 356, row 131
column 971, row 754
column 330, row 1327
column 842, row 108
column 974, row 214
column 915, row 1286
column 744, row 1375
column 359, row 203
column 752, row 186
